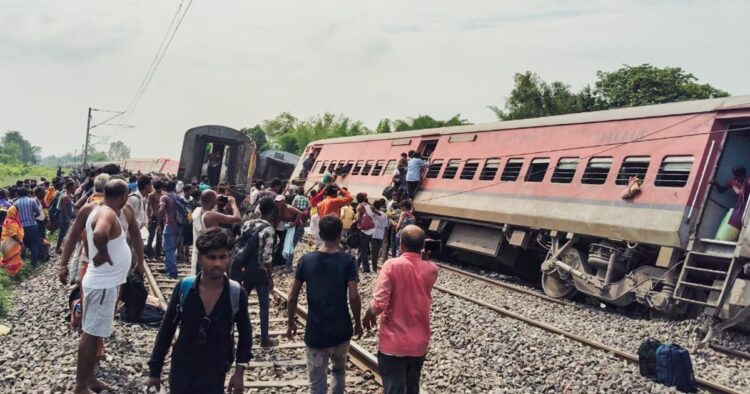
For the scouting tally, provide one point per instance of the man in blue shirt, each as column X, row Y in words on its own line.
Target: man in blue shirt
column 28, row 210
column 414, row 172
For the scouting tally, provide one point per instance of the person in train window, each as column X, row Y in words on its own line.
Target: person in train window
column 729, row 230
column 403, row 162
column 214, row 165
column 414, row 172
column 307, row 165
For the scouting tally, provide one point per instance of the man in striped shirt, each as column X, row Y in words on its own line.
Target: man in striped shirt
column 28, row 210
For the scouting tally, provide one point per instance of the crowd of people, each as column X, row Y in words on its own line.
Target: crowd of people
column 231, row 247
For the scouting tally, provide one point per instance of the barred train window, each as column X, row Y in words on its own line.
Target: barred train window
column 357, row 167
column 537, row 170
column 434, row 169
column 378, row 167
column 316, row 167
column 470, row 169
column 490, row 170
column 597, row 171
column 512, row 170
column 323, row 167
column 451, row 168
column 368, row 167
column 633, row 166
column 674, row 171
column 332, row 166
column 390, row 167
column 565, row 170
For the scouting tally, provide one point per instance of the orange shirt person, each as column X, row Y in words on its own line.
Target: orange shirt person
column 332, row 204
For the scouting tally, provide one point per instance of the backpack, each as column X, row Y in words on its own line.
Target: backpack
column 365, row 221
column 234, row 297
column 647, row 358
column 181, row 211
column 245, row 266
column 674, row 368
column 134, row 296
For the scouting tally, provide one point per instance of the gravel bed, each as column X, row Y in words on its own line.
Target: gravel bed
column 614, row 329
column 475, row 350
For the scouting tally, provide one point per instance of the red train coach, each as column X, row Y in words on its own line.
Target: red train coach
column 553, row 187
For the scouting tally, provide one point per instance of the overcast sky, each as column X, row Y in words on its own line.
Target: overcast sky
column 238, row 62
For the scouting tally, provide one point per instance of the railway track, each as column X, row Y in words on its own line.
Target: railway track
column 281, row 368
column 630, row 357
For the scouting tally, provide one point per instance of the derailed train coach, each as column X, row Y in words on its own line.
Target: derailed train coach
column 224, row 154
column 618, row 204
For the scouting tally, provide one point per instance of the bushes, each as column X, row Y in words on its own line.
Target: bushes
column 13, row 172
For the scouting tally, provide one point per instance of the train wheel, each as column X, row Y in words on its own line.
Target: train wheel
column 557, row 287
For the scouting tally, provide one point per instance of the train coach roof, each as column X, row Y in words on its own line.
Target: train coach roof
column 647, row 111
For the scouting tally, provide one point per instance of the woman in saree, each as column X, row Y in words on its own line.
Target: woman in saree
column 11, row 243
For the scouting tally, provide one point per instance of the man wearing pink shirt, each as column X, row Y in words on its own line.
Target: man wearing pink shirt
column 403, row 294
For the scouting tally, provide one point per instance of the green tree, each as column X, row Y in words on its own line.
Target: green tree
column 632, row 86
column 626, row 87
column 288, row 133
column 419, row 123
column 258, row 135
column 118, row 151
column 16, row 149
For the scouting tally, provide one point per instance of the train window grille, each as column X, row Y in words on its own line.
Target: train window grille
column 323, row 167
column 434, row 169
column 633, row 166
column 565, row 170
column 368, row 167
column 597, row 171
column 316, row 167
column 357, row 167
column 512, row 170
column 378, row 167
column 470, row 169
column 332, row 166
column 537, row 170
column 489, row 170
column 390, row 167
column 347, row 167
column 451, row 168
column 674, row 171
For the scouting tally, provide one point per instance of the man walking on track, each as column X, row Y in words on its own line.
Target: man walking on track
column 110, row 263
column 403, row 295
column 330, row 275
column 206, row 307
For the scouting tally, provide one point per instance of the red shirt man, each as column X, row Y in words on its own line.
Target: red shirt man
column 403, row 294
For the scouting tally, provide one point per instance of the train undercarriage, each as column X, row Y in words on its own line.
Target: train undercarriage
column 616, row 273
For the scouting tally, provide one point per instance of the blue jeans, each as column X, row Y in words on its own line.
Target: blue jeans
column 394, row 243
column 31, row 242
column 317, row 368
column 170, row 250
column 263, row 305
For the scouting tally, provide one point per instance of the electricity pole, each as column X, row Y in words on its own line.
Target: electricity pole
column 88, row 137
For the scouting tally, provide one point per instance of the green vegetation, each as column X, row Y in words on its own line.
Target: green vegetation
column 10, row 173
column 4, row 294
column 630, row 86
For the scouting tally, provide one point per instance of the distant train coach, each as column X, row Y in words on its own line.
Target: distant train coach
column 620, row 205
column 226, row 155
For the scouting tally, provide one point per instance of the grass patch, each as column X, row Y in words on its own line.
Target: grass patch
column 4, row 294
column 13, row 172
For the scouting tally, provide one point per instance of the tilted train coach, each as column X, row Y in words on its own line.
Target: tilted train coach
column 550, row 190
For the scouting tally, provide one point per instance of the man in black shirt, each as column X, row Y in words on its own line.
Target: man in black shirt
column 206, row 314
column 329, row 275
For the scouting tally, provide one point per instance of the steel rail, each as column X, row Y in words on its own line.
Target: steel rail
column 702, row 383
column 360, row 357
column 156, row 291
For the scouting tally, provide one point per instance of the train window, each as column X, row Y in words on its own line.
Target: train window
column 512, row 170
column 390, row 167
column 316, row 167
column 597, row 171
column 368, row 167
column 537, row 170
column 489, row 170
column 633, row 166
column 323, row 167
column 674, row 171
column 451, row 168
column 434, row 169
column 378, row 167
column 332, row 166
column 470, row 169
column 357, row 167
column 565, row 170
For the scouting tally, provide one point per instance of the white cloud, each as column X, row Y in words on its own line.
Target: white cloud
column 238, row 62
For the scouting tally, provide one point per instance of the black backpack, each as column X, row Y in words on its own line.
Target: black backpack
column 245, row 267
column 134, row 295
column 647, row 358
column 181, row 211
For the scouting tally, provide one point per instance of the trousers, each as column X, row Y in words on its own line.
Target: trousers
column 400, row 374
column 317, row 368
